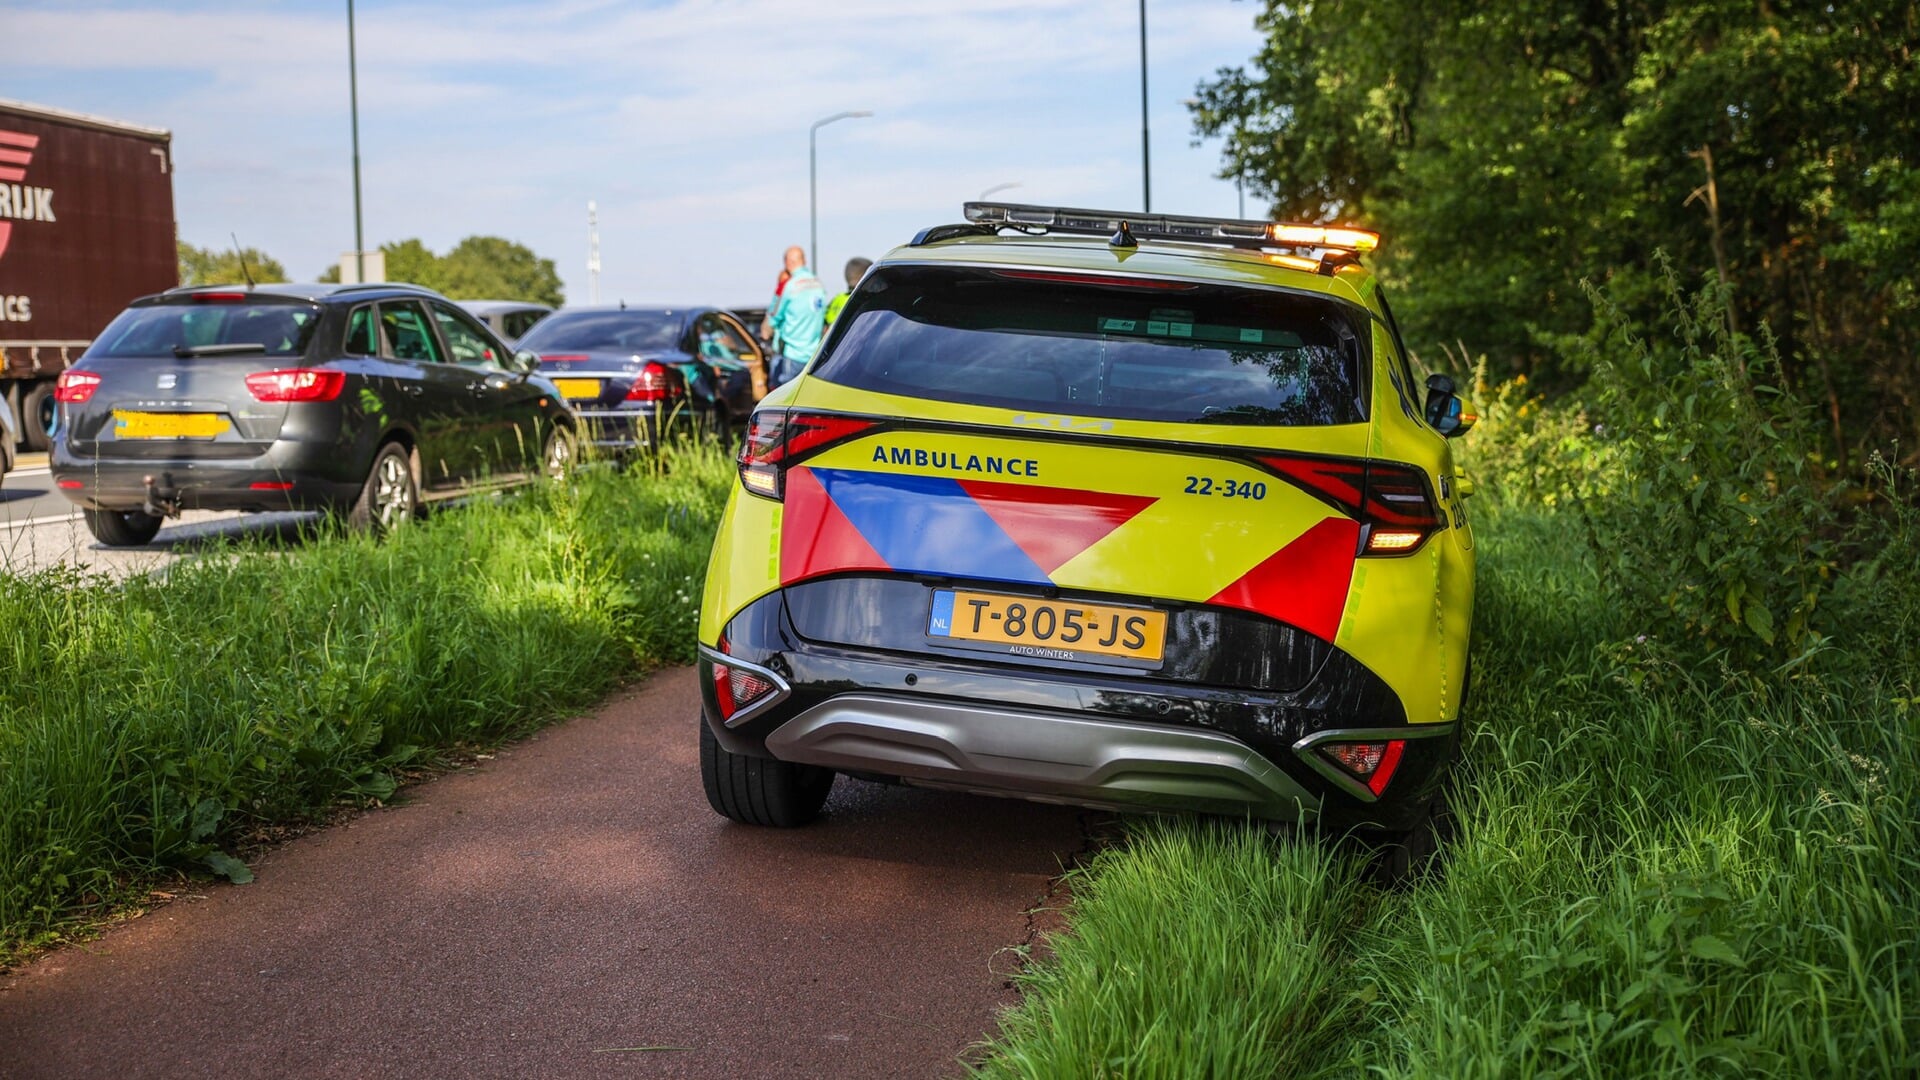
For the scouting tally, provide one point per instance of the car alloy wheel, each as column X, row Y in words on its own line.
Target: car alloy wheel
column 392, row 492
column 557, row 462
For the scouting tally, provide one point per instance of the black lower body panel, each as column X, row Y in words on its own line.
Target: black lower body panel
column 902, row 707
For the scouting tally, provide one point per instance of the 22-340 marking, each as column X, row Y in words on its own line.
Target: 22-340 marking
column 1226, row 489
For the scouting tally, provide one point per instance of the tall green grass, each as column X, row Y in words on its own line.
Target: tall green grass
column 150, row 723
column 1661, row 869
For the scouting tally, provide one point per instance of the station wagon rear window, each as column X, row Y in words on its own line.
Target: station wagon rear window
column 161, row 329
column 1179, row 352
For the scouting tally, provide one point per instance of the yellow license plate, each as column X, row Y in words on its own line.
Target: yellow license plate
column 1063, row 629
column 574, row 389
column 151, row 425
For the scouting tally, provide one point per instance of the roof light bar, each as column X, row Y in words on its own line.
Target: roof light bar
column 1239, row 233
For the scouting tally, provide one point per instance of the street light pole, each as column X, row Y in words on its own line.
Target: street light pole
column 813, row 182
column 593, row 253
column 1146, row 161
column 353, row 97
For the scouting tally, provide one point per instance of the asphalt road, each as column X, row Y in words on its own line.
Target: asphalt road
column 40, row 528
column 572, row 908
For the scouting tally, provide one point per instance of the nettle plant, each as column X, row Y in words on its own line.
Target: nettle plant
column 1714, row 529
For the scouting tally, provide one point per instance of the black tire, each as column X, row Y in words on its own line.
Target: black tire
column 391, row 496
column 1403, row 858
column 760, row 791
column 37, row 413
column 122, row 528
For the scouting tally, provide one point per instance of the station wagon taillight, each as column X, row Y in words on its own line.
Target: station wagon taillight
column 75, row 387
column 296, row 384
column 1391, row 501
column 777, row 439
column 654, row 384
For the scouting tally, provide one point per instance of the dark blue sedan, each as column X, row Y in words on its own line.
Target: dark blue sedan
column 636, row 375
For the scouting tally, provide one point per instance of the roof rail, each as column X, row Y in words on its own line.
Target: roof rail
column 1338, row 244
column 363, row 286
column 936, row 233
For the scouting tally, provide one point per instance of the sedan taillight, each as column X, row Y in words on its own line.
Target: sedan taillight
column 296, row 384
column 654, row 384
column 75, row 387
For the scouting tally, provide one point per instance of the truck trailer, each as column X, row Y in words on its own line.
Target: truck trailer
column 86, row 224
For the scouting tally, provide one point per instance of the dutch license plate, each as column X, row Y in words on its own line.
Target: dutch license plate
column 152, row 425
column 1065, row 629
column 576, row 389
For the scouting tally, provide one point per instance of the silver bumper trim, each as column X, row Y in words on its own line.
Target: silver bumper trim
column 1050, row 757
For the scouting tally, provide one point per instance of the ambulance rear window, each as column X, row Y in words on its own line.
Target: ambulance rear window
column 1184, row 353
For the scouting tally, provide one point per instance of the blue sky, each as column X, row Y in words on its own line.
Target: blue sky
column 686, row 120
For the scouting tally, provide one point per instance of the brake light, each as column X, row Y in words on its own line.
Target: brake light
column 75, row 387
column 562, row 356
column 296, row 384
column 1391, row 501
column 777, row 439
column 654, row 384
column 736, row 688
column 1373, row 763
column 219, row 298
column 1113, row 280
column 71, row 485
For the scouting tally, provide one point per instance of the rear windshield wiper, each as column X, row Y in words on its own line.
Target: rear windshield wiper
column 233, row 349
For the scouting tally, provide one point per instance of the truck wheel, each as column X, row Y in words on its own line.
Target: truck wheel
column 38, row 411
column 122, row 528
column 391, row 496
column 760, row 791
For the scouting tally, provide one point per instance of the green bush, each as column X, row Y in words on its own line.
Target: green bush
column 157, row 722
column 1710, row 526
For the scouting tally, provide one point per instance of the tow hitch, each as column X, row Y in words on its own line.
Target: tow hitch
column 163, row 499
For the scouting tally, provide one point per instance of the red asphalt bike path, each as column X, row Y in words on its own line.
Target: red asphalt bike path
column 571, row 908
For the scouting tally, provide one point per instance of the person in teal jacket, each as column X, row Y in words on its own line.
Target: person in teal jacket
column 798, row 319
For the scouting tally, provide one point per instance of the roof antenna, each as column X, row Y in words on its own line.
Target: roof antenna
column 1123, row 238
column 242, row 256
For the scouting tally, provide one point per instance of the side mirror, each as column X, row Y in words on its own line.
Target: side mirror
column 526, row 361
column 1445, row 411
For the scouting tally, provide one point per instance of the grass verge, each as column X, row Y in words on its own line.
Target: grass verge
column 1658, row 872
column 145, row 725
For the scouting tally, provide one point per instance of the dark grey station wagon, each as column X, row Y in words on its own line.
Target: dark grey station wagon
column 364, row 400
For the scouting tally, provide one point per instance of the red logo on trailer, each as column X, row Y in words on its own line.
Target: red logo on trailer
column 16, row 153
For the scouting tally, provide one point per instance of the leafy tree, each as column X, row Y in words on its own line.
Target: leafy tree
column 210, row 266
column 490, row 268
column 478, row 268
column 1511, row 151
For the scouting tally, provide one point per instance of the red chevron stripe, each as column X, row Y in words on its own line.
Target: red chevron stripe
column 1305, row 583
column 6, row 234
column 1050, row 524
column 16, row 157
column 13, row 174
column 19, row 138
column 816, row 537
